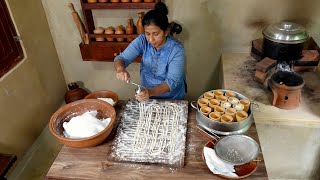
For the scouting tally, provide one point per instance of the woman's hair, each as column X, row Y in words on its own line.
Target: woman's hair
column 157, row 16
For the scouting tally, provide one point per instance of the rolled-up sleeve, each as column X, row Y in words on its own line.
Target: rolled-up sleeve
column 134, row 49
column 175, row 68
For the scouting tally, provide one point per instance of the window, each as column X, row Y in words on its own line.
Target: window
column 10, row 48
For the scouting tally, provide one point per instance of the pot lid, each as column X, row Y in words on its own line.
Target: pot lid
column 286, row 32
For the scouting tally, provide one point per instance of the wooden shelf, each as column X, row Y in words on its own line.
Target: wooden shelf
column 89, row 6
column 103, row 51
column 106, row 50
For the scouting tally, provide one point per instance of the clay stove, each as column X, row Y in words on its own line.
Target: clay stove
column 280, row 74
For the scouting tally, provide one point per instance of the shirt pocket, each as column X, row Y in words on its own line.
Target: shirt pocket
column 161, row 70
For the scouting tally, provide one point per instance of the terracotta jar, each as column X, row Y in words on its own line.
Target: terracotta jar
column 139, row 25
column 136, row 1
column 92, row 1
column 109, row 30
column 114, row 1
column 99, row 30
column 148, row 1
column 103, row 1
column 286, row 88
column 74, row 93
column 125, row 1
column 129, row 29
column 119, row 30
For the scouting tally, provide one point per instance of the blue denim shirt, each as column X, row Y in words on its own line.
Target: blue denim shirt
column 158, row 66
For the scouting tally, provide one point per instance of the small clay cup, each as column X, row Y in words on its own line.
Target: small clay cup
column 232, row 112
column 225, row 104
column 215, row 116
column 233, row 100
column 238, row 107
column 203, row 102
column 222, row 98
column 241, row 115
column 208, row 95
column 213, row 103
column 230, row 94
column 218, row 93
column 226, row 118
column 219, row 109
column 246, row 104
column 205, row 110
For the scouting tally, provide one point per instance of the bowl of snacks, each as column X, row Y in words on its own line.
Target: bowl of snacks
column 83, row 123
column 224, row 112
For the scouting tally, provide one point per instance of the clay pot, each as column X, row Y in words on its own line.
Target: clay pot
column 136, row 1
column 103, row 1
column 74, row 93
column 114, row 1
column 68, row 111
column 139, row 25
column 148, row 1
column 119, row 30
column 99, row 30
column 286, row 88
column 125, row 1
column 109, row 30
column 129, row 29
column 92, row 1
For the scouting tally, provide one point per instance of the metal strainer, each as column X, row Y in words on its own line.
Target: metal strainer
column 235, row 149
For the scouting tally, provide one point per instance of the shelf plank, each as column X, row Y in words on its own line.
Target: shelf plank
column 103, row 51
column 89, row 6
column 113, row 35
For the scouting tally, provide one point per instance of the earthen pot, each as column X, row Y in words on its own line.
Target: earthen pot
column 68, row 111
column 109, row 30
column 99, row 30
column 74, row 93
column 119, row 30
column 103, row 1
column 129, row 29
column 140, row 28
column 92, row 1
column 114, row 1
column 148, row 1
column 136, row 1
column 125, row 1
column 286, row 88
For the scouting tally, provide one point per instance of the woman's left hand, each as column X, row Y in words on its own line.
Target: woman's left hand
column 143, row 95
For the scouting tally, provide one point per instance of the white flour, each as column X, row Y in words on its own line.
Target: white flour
column 108, row 100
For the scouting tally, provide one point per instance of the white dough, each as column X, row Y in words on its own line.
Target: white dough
column 85, row 125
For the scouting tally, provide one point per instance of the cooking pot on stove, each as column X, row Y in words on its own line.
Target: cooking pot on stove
column 224, row 128
column 284, row 41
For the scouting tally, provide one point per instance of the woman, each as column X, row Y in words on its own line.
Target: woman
column 162, row 64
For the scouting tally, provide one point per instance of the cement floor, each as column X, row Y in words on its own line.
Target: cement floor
column 36, row 163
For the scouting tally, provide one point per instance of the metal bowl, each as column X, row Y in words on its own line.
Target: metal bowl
column 224, row 128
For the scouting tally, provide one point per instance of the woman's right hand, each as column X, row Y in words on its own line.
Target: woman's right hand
column 123, row 75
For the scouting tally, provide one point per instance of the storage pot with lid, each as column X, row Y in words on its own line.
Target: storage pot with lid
column 284, row 41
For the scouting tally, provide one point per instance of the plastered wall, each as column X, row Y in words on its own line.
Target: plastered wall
column 31, row 92
column 210, row 27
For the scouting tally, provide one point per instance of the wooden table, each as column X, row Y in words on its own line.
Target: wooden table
column 95, row 163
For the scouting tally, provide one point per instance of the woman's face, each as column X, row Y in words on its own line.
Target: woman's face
column 155, row 36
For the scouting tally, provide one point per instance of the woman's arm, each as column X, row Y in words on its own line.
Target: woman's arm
column 127, row 57
column 121, row 72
